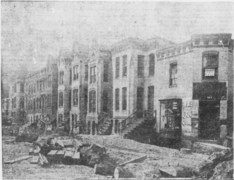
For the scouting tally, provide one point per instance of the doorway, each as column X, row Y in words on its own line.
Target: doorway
column 209, row 120
column 140, row 100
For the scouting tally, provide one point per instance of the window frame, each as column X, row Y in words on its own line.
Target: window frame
column 175, row 78
column 75, row 72
column 117, row 99
column 206, row 67
column 125, row 66
column 124, row 98
column 92, row 101
column 140, row 66
column 75, row 97
column 105, row 72
column 151, row 64
column 60, row 99
column 93, row 74
column 117, row 67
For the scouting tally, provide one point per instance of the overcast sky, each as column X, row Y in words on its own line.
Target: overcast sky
column 33, row 30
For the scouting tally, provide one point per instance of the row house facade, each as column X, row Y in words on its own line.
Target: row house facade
column 182, row 91
column 79, row 88
column 14, row 105
column 64, row 81
column 41, row 91
column 99, row 88
column 188, row 87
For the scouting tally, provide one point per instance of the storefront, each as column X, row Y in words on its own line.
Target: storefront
column 170, row 119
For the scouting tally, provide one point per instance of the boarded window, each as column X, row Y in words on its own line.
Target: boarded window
column 210, row 65
column 75, row 97
column 117, row 99
column 117, row 67
column 140, row 67
column 173, row 74
column 125, row 65
column 124, row 98
column 151, row 64
column 105, row 74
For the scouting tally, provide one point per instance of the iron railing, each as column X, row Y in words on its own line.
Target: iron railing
column 129, row 120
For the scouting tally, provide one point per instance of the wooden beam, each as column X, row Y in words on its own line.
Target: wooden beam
column 136, row 160
column 17, row 160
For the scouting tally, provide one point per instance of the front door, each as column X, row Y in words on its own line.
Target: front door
column 140, row 99
column 209, row 120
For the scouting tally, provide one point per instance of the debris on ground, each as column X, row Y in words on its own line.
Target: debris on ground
column 207, row 148
column 17, row 159
column 210, row 167
column 113, row 156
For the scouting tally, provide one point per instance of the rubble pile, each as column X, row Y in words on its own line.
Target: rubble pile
column 123, row 158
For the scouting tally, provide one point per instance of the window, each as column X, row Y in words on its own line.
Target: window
column 61, row 74
column 117, row 67
column 49, row 100
column 210, row 65
column 117, row 99
column 60, row 119
column 151, row 64
column 22, row 103
column 75, row 72
column 74, row 121
column 105, row 101
column 34, row 104
column 125, row 65
column 124, row 98
column 21, row 87
column 140, row 71
column 93, row 74
column 92, row 101
column 173, row 74
column 150, row 99
column 49, row 81
column 105, row 74
column 38, row 86
column 60, row 99
column 86, row 72
column 75, row 97
column 169, row 114
column 40, row 100
column 70, row 79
